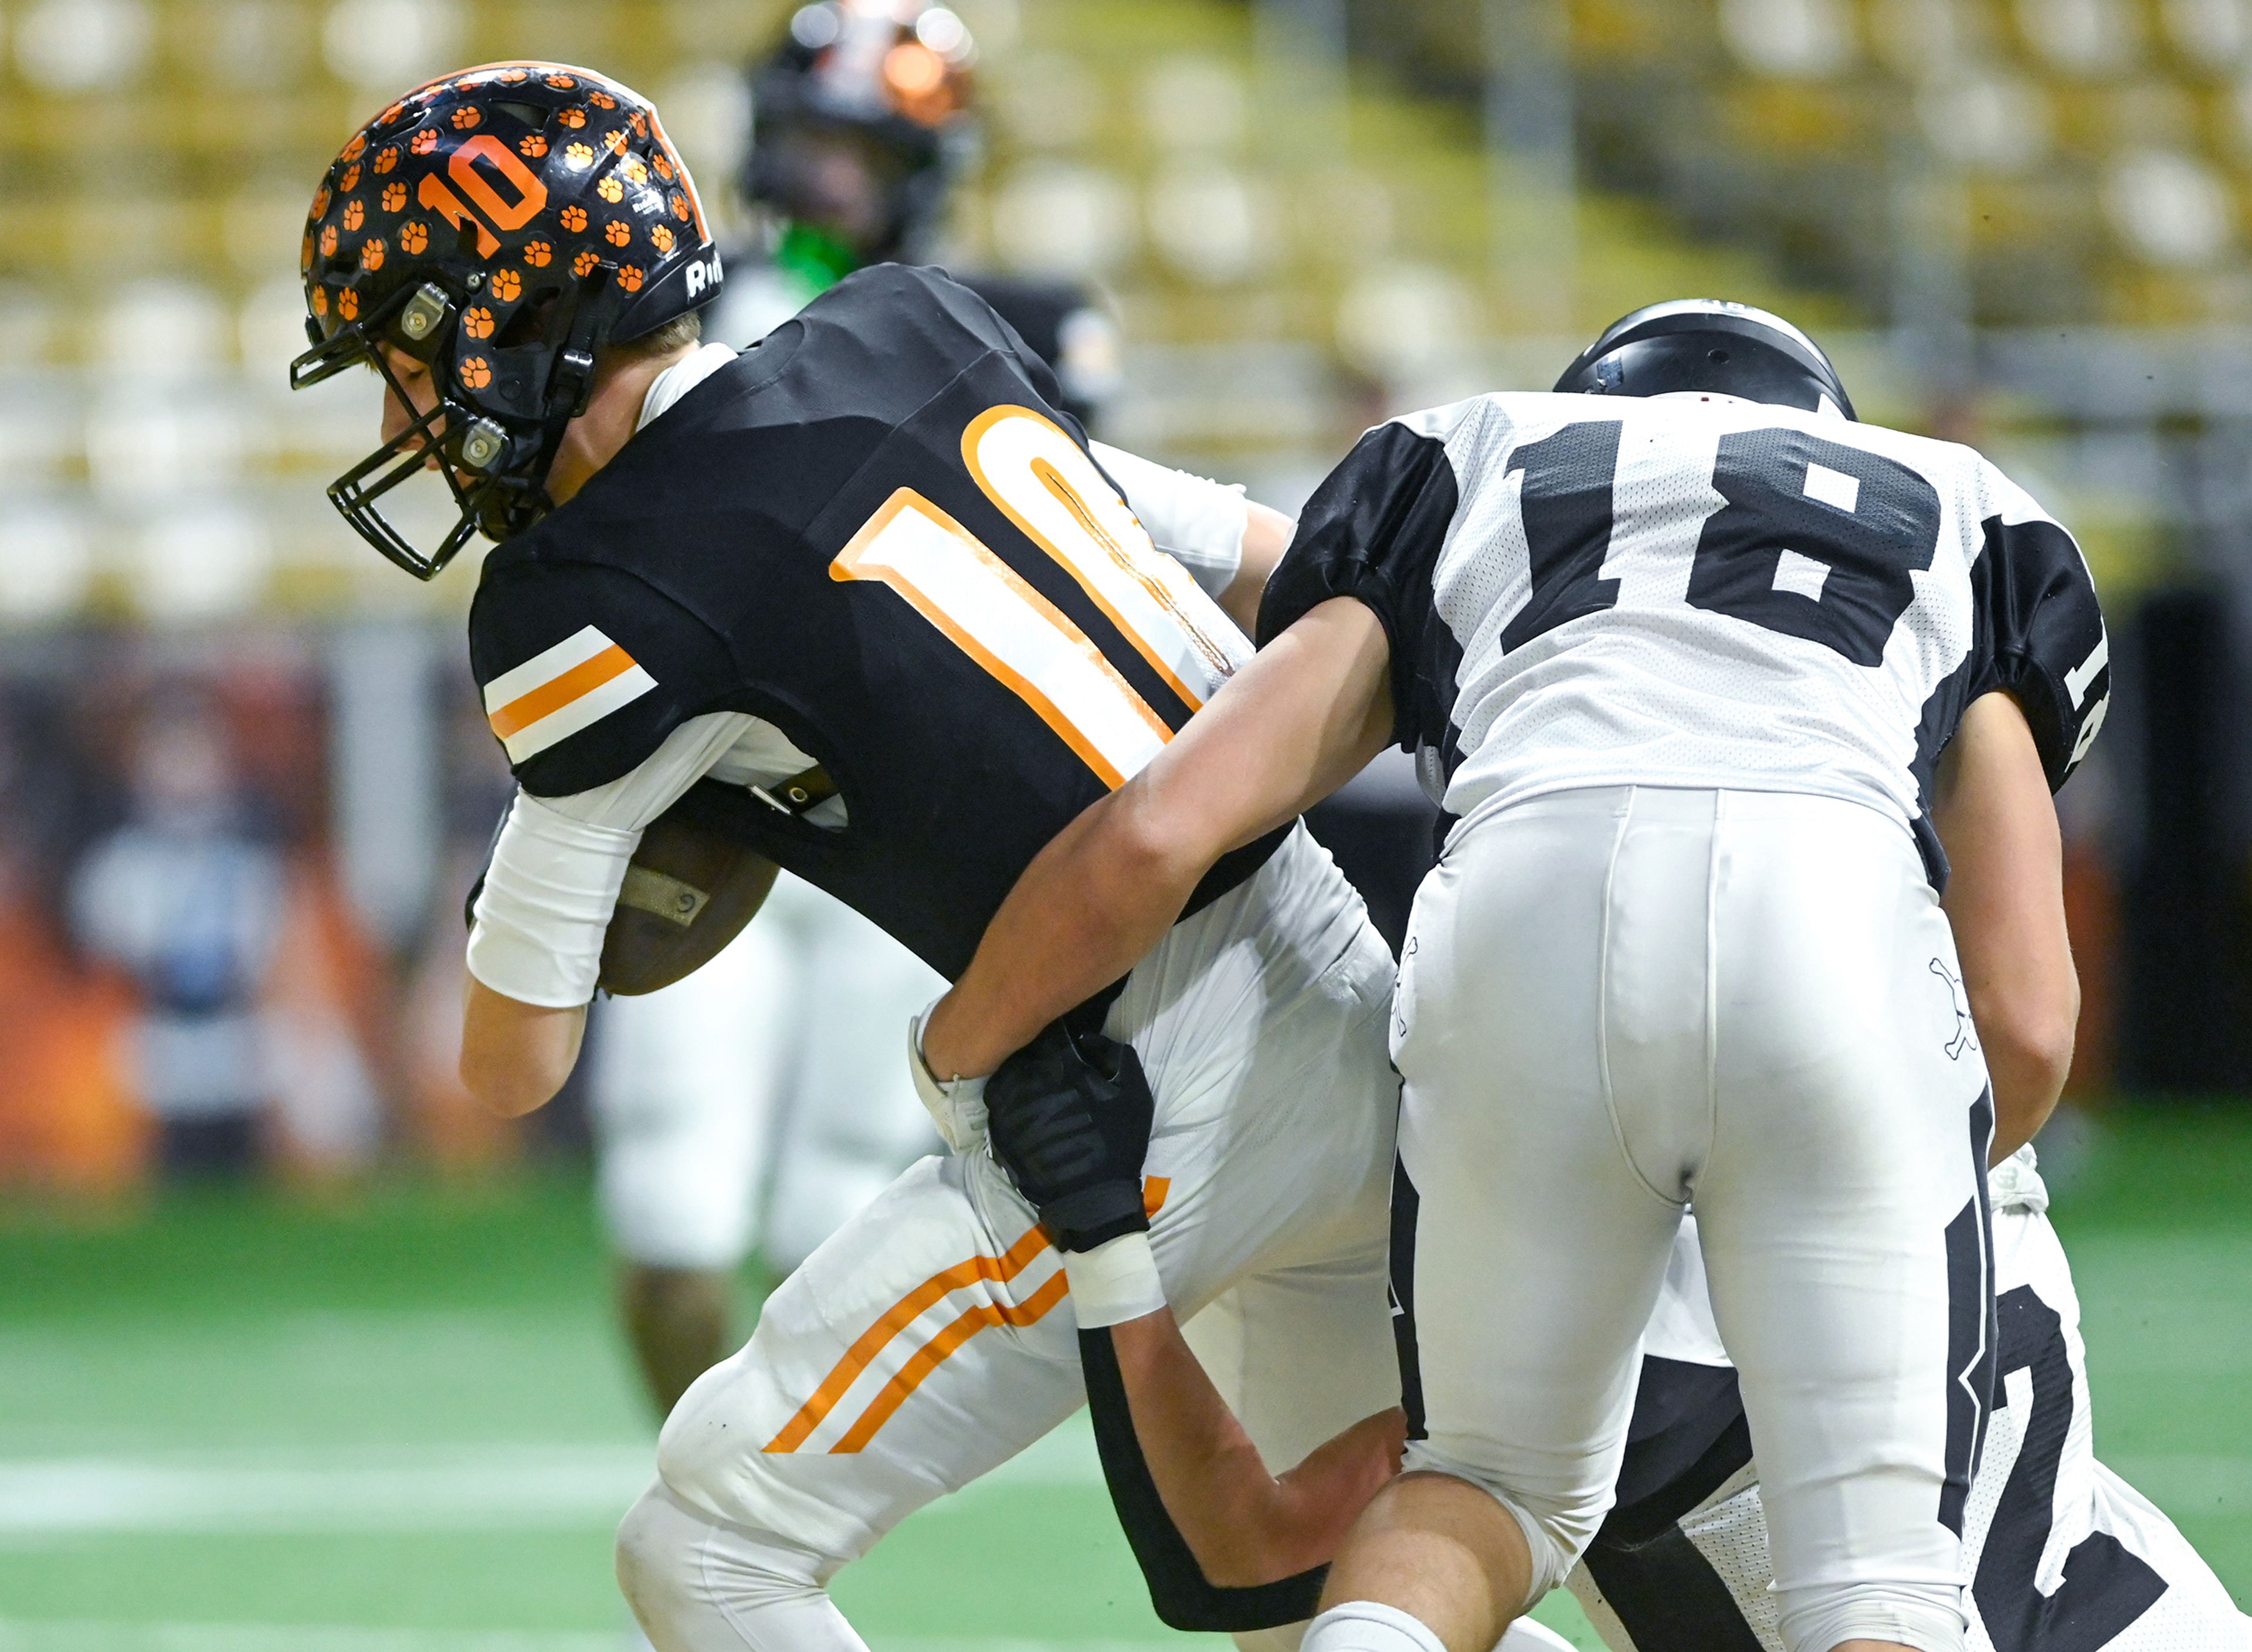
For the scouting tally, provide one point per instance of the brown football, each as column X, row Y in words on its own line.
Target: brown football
column 688, row 892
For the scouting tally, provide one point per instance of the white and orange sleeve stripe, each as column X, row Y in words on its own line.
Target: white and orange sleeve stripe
column 554, row 694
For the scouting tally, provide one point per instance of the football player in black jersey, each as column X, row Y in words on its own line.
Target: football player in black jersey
column 771, row 1135
column 1721, row 685
column 864, row 596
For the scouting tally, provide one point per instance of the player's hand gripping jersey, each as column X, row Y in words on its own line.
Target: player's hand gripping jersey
column 871, row 544
column 1790, row 601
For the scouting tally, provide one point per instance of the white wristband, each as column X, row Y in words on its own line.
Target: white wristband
column 1115, row 1281
column 956, row 1105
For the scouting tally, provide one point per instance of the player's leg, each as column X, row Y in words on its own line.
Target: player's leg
column 1842, row 1211
column 683, row 1100
column 918, row 1347
column 852, row 1122
column 1552, row 986
column 930, row 1339
column 2064, row 1552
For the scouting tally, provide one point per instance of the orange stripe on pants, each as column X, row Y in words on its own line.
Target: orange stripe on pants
column 929, row 1357
column 902, row 1314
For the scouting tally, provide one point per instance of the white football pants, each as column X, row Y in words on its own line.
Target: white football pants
column 762, row 1099
column 931, row 1338
column 1616, row 1002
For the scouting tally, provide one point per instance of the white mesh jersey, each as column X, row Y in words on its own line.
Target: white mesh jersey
column 1697, row 591
column 2062, row 1554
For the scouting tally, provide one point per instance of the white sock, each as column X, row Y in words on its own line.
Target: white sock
column 1367, row 1626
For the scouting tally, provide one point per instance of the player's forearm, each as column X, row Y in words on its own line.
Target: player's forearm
column 1098, row 898
column 1244, row 1525
column 2005, row 903
column 516, row 1056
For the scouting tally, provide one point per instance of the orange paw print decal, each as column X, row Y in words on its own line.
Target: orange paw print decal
column 660, row 236
column 629, row 277
column 391, row 115
column 561, row 82
column 424, row 142
column 327, row 240
column 371, row 252
column 617, row 231
column 476, row 372
column 535, row 146
column 466, row 118
column 355, row 215
column 537, row 254
column 601, row 100
column 615, row 140
column 664, row 169
column 348, row 304
column 514, row 77
column 350, row 181
column 636, row 170
column 572, row 118
column 386, row 158
column 305, row 256
column 413, row 238
column 572, row 218
column 506, row 284
column 477, row 322
column 639, row 121
column 394, row 198
column 583, row 265
column 353, row 149
column 610, row 189
column 321, row 302
column 578, row 155
column 680, row 206
column 320, row 199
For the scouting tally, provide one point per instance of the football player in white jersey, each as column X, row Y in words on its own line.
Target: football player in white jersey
column 1717, row 682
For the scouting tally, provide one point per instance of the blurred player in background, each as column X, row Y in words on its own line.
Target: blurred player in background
column 759, row 1102
column 187, row 902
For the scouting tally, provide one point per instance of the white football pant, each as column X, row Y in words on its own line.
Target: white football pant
column 1617, row 1001
column 931, row 1337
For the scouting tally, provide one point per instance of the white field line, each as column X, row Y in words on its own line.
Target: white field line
column 82, row 1635
column 430, row 1489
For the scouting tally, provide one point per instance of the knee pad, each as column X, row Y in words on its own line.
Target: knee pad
column 1926, row 1616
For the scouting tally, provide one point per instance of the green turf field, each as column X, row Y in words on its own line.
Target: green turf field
column 402, row 1423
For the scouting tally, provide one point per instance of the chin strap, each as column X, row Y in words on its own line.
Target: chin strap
column 1185, row 1599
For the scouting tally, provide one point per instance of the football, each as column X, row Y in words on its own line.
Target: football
column 688, row 891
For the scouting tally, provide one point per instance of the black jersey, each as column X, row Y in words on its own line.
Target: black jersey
column 875, row 530
column 1696, row 592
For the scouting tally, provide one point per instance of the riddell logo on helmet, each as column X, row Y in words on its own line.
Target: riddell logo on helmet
column 702, row 274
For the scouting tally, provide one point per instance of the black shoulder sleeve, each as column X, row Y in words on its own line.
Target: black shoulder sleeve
column 585, row 670
column 2048, row 646
column 1372, row 531
column 1178, row 1589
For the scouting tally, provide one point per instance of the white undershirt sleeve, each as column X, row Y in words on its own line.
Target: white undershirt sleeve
column 1198, row 522
column 553, row 881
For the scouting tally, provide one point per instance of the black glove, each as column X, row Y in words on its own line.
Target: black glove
column 1069, row 1118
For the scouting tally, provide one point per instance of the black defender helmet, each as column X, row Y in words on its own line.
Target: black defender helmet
column 1708, row 344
